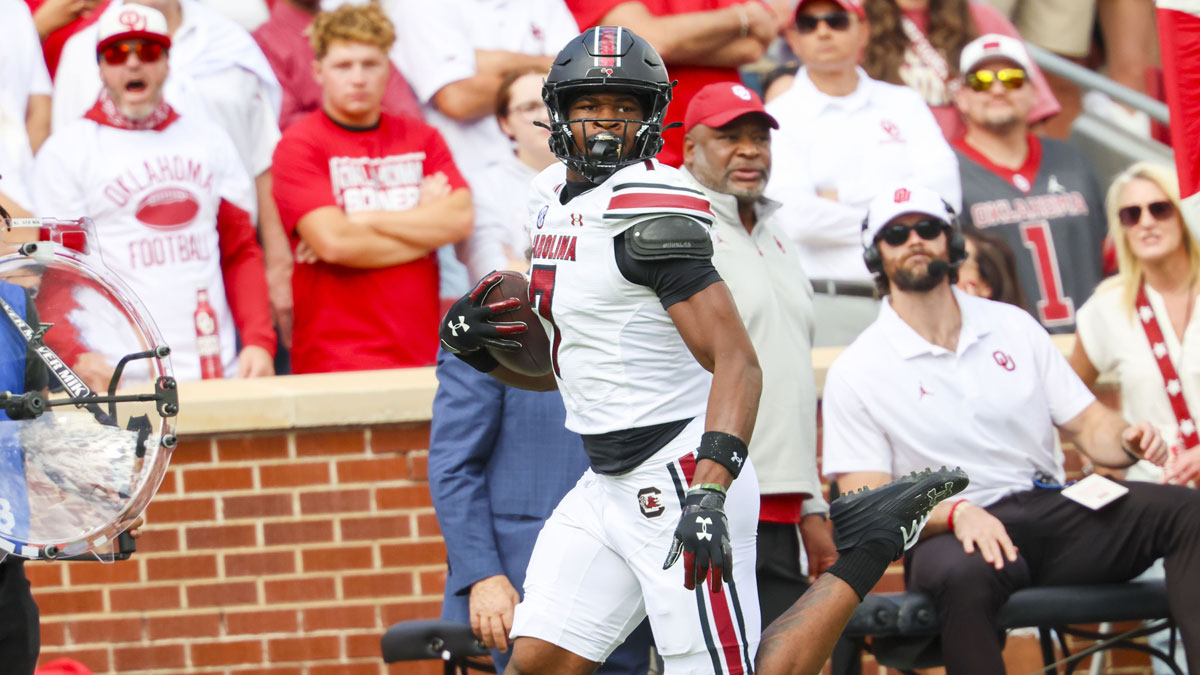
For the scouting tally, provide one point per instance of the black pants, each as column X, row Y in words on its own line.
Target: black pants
column 777, row 569
column 20, row 637
column 1060, row 543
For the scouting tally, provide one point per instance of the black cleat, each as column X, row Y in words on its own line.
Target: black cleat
column 895, row 512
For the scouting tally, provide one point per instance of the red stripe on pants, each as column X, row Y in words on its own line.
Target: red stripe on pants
column 726, row 632
column 688, row 464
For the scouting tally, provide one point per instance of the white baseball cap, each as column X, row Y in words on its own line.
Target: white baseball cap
column 899, row 200
column 993, row 46
column 132, row 22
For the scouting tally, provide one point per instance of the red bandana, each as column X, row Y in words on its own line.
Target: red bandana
column 105, row 112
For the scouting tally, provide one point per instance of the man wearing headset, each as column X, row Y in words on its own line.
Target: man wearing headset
column 942, row 376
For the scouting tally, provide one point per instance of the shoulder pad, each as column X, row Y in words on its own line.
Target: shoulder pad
column 668, row 237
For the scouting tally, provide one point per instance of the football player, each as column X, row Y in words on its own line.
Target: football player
column 658, row 376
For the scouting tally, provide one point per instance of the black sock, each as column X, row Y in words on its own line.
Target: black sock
column 863, row 566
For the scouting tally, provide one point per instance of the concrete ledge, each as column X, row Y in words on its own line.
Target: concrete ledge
column 346, row 399
column 305, row 401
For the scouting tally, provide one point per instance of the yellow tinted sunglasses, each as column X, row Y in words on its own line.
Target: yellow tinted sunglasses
column 1011, row 78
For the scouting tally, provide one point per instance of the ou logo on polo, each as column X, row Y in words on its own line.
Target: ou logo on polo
column 1004, row 360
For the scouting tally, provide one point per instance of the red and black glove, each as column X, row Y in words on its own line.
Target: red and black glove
column 703, row 537
column 468, row 328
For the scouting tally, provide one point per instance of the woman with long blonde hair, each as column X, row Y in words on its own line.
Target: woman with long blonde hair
column 1141, row 324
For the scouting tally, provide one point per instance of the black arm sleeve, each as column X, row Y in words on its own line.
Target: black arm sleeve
column 672, row 279
column 37, row 376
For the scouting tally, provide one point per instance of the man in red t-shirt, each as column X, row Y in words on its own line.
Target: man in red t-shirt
column 285, row 42
column 701, row 41
column 366, row 199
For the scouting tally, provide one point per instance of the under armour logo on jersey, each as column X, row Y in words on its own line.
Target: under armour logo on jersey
column 703, row 534
column 577, row 220
column 132, row 19
column 455, row 327
column 902, row 195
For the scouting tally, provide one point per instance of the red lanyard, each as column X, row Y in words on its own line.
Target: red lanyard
column 1187, row 428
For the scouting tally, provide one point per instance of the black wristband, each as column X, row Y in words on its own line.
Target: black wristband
column 480, row 360
column 725, row 449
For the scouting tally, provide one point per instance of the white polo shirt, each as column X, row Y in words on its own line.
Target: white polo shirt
column 775, row 301
column 1115, row 342
column 879, row 135
column 896, row 403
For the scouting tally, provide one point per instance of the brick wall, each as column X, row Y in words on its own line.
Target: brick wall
column 282, row 553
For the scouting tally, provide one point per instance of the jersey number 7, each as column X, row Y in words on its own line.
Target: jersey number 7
column 541, row 294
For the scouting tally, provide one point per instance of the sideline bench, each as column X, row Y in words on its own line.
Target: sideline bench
column 903, row 627
column 451, row 642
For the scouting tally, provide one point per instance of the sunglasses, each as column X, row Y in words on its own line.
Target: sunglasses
column 807, row 23
column 897, row 234
column 1132, row 215
column 1011, row 78
column 147, row 52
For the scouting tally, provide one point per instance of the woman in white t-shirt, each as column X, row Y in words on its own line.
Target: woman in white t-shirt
column 1150, row 339
column 501, row 194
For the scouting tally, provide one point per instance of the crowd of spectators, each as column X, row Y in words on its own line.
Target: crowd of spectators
column 879, row 84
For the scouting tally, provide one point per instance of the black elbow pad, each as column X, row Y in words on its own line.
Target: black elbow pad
column 669, row 237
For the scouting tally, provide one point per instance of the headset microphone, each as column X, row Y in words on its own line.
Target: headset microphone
column 937, row 269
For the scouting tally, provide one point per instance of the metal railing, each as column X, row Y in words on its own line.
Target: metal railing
column 1109, row 147
column 1089, row 79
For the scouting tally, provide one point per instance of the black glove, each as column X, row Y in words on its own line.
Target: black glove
column 467, row 327
column 703, row 537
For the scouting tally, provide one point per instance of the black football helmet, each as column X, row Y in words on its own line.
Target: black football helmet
column 606, row 59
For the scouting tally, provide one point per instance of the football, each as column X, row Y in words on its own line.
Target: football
column 533, row 359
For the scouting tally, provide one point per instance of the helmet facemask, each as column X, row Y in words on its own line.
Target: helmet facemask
column 606, row 60
column 605, row 149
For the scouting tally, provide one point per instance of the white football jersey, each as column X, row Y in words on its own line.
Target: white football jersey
column 154, row 196
column 618, row 357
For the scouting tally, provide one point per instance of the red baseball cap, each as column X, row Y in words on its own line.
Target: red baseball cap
column 720, row 103
column 852, row 6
